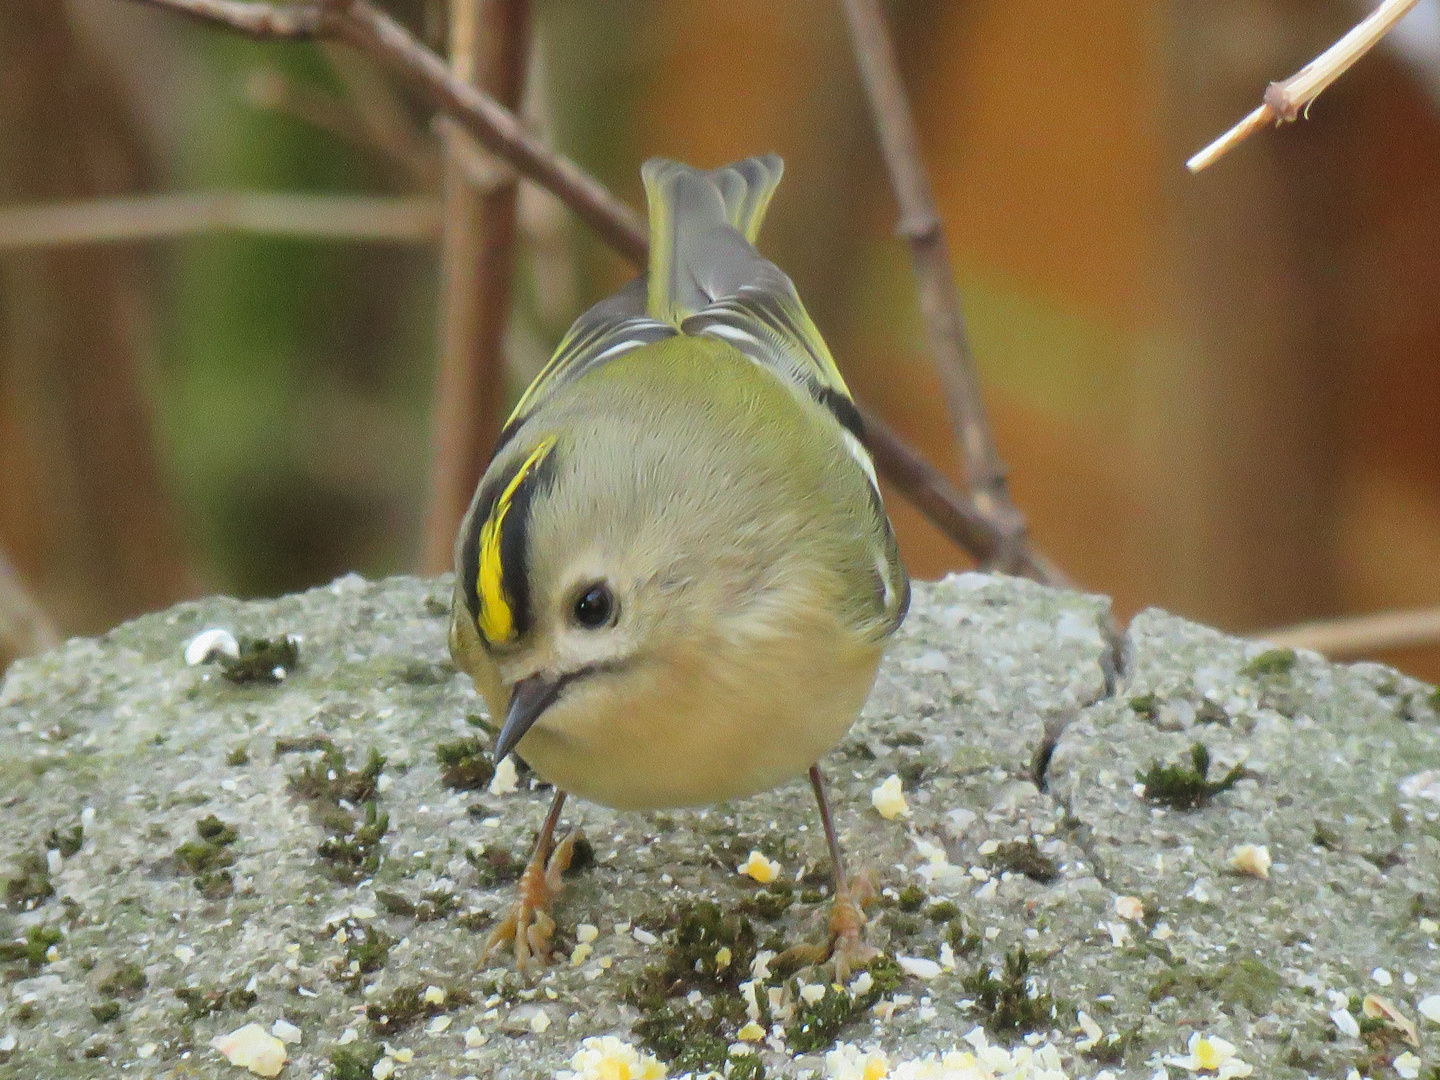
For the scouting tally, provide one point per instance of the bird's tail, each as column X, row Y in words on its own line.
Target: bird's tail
column 702, row 228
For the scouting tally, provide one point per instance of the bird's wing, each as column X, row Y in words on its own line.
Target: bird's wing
column 707, row 279
column 614, row 326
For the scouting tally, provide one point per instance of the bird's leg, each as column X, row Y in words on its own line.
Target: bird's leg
column 845, row 943
column 847, row 919
column 528, row 924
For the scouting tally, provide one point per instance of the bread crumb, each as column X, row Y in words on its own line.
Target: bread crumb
column 889, row 799
column 1251, row 859
column 760, row 868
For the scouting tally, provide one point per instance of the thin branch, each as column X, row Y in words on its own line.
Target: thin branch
column 943, row 505
column 291, row 21
column 1289, row 99
column 367, row 28
column 158, row 217
column 496, row 128
column 500, row 131
column 489, row 44
column 1362, row 635
column 935, row 277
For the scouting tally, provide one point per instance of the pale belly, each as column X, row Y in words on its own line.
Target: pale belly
column 701, row 729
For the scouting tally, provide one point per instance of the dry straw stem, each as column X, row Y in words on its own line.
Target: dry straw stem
column 939, row 296
column 994, row 538
column 167, row 216
column 1287, row 100
column 1363, row 635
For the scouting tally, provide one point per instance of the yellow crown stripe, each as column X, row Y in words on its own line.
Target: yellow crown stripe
column 497, row 619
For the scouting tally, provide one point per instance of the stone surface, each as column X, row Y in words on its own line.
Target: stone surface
column 1140, row 921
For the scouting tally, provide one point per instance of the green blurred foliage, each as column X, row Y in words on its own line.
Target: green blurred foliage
column 295, row 375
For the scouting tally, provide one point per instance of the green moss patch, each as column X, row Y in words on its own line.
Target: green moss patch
column 354, row 1062
column 770, row 902
column 705, row 950
column 818, row 1024
column 66, row 841
column 1145, row 706
column 407, row 1004
column 262, row 660
column 1247, row 982
column 963, row 939
column 1187, row 787
column 1025, row 857
column 123, row 980
column 689, row 1038
column 29, row 886
column 208, row 857
column 206, row 1000
column 331, row 780
column 432, row 905
column 1270, row 664
column 367, row 948
column 352, row 850
column 354, row 855
column 464, row 764
column 694, row 935
column 495, row 866
column 105, row 1011
column 711, row 951
column 31, row 949
column 302, row 744
column 1009, row 1000
column 910, row 899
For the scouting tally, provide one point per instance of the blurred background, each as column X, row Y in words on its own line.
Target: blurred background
column 1216, row 394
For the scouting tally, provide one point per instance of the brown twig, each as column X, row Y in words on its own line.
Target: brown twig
column 935, row 277
column 1362, row 635
column 494, row 127
column 368, row 29
column 156, row 217
column 489, row 43
column 291, row 21
column 1289, row 99
column 946, row 507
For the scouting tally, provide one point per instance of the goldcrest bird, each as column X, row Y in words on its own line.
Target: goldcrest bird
column 676, row 577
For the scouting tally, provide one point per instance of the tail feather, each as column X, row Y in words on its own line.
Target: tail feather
column 702, row 226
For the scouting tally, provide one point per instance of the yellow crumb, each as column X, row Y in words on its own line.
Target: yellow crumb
column 889, row 799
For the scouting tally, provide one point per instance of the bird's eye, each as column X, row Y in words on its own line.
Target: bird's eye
column 594, row 607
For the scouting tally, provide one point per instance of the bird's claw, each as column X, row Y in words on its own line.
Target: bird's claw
column 848, row 949
column 845, row 947
column 528, row 924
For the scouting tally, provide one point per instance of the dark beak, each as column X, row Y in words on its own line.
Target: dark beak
column 529, row 698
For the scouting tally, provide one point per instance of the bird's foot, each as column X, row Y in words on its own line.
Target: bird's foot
column 845, row 946
column 528, row 925
column 848, row 949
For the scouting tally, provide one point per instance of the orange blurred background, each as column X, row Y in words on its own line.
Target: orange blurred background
column 1216, row 394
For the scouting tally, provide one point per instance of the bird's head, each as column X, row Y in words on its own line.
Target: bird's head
column 584, row 561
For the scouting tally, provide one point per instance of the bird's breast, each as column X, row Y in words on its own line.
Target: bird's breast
column 704, row 722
